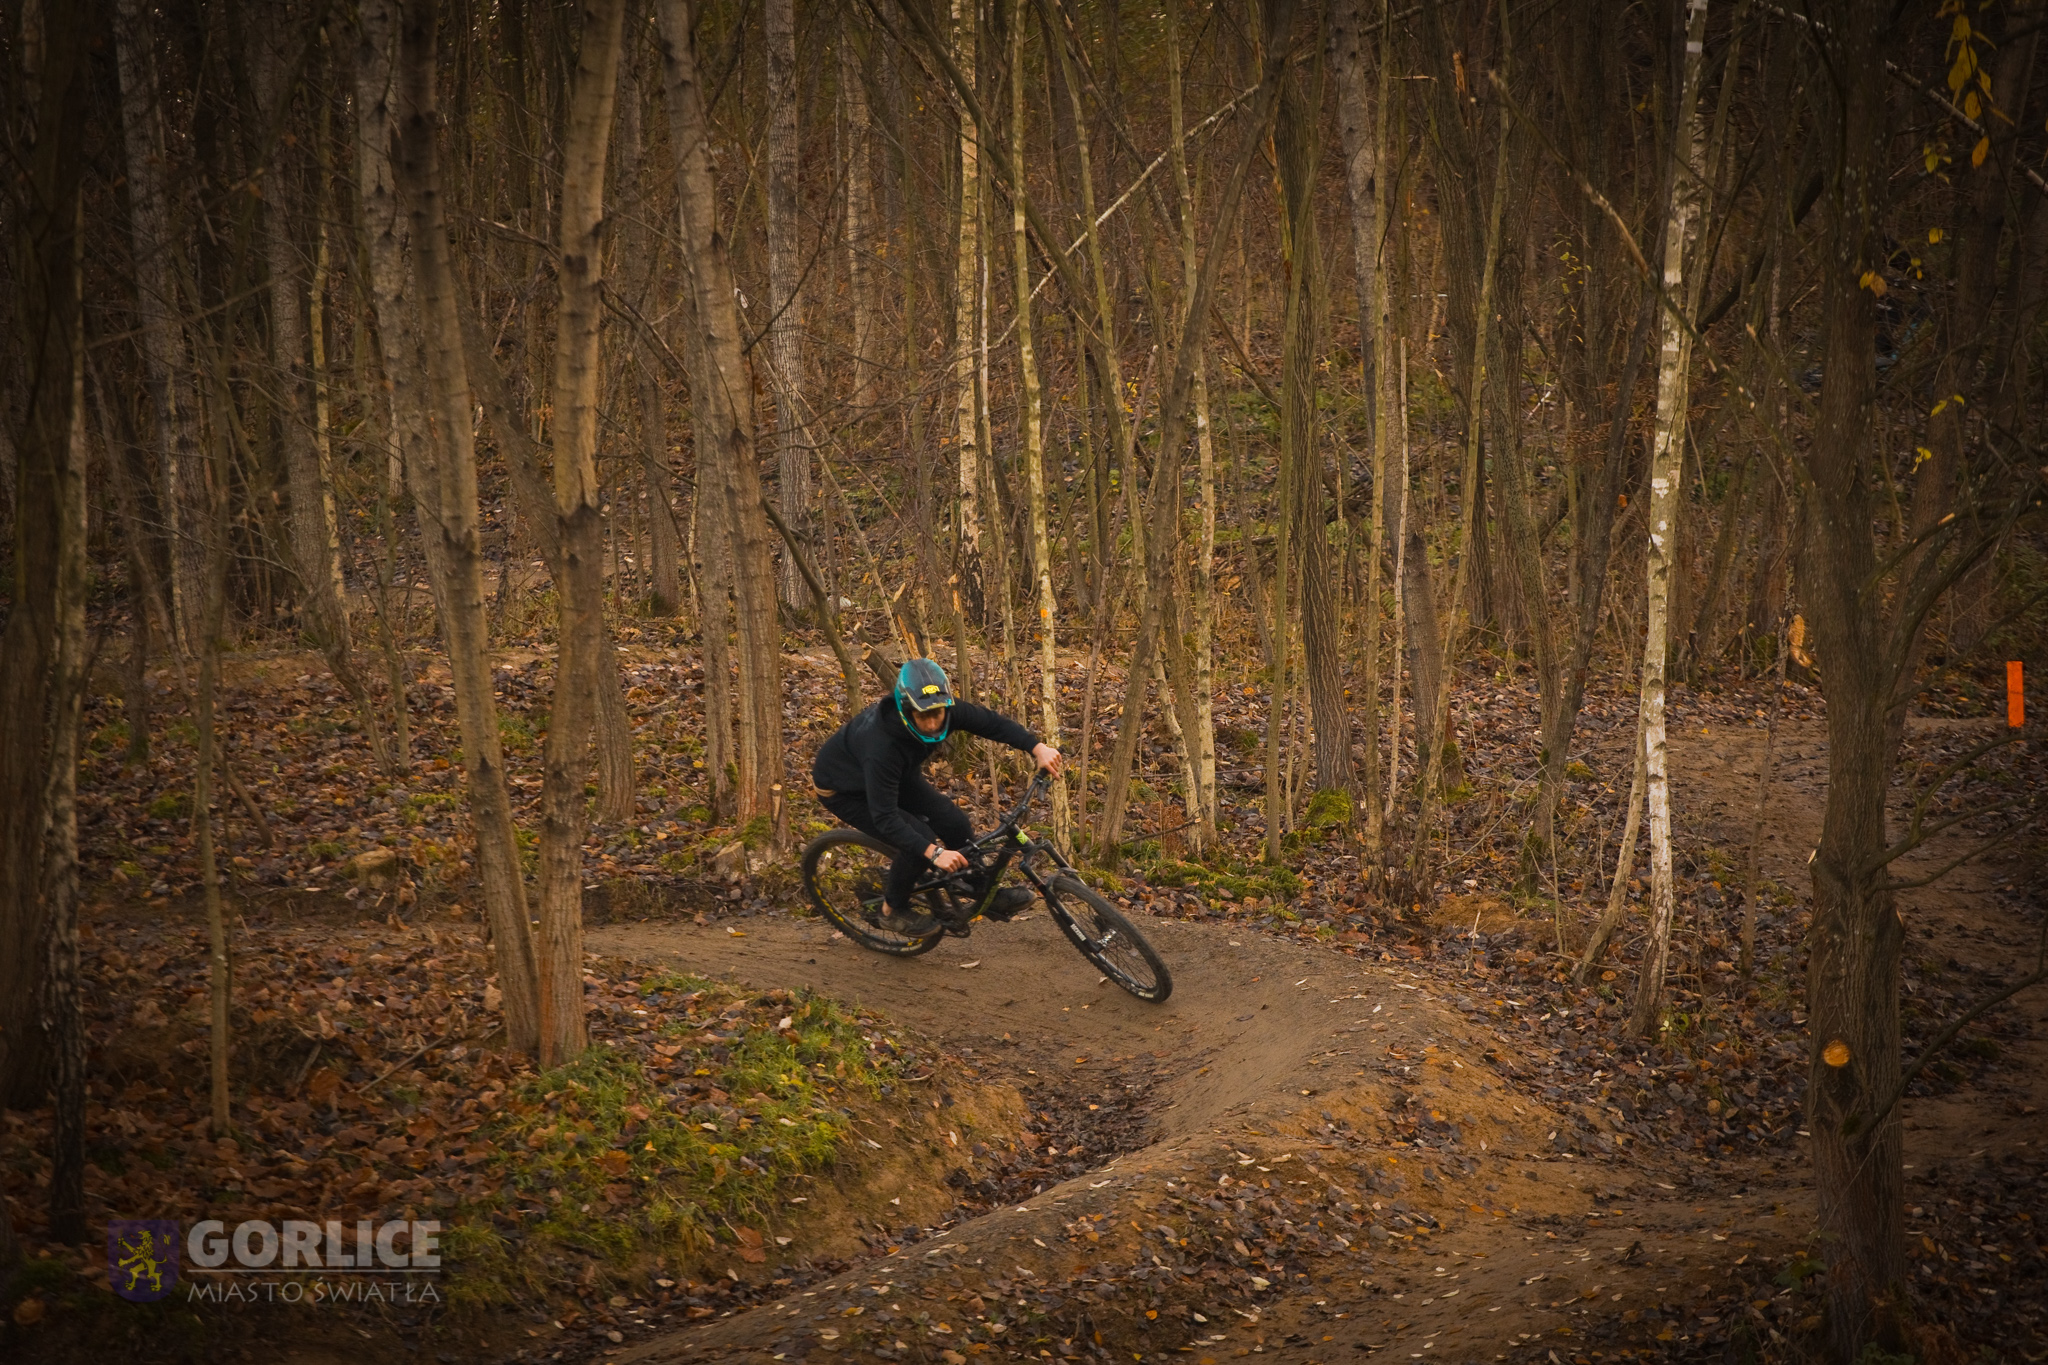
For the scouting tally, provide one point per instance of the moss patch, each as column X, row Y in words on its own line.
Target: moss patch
column 669, row 1145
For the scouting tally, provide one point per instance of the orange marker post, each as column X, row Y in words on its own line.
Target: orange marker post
column 2015, row 695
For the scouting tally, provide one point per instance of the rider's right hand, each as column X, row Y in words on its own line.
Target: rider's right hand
column 949, row 860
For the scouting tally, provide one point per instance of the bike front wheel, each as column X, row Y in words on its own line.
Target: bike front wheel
column 844, row 872
column 1108, row 940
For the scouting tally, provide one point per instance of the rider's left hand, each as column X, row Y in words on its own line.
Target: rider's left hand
column 1048, row 758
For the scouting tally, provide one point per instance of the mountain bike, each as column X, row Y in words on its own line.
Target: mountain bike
column 844, row 872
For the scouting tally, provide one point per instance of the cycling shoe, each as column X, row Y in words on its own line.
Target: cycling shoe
column 1009, row 901
column 908, row 923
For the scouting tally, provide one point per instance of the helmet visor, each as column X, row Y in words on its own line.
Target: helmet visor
column 928, row 697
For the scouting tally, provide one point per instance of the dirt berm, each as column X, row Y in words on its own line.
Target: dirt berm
column 1334, row 1162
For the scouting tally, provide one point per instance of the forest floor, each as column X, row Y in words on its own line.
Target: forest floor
column 1353, row 1130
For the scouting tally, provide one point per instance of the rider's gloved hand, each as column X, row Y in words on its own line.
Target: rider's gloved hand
column 1047, row 758
column 945, row 859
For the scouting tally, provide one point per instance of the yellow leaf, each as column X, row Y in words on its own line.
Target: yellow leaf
column 1959, row 32
column 1836, row 1053
column 1959, row 72
column 1933, row 234
column 1930, row 158
column 1972, row 106
column 1923, row 455
column 1980, row 151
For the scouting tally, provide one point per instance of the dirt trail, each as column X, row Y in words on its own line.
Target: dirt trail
column 1280, row 1061
column 1270, row 1086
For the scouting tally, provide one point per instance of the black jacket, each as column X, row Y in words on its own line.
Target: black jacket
column 876, row 750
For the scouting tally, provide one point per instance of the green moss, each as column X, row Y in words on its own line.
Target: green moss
column 623, row 1159
column 1329, row 809
column 757, row 832
column 171, row 806
column 1220, row 873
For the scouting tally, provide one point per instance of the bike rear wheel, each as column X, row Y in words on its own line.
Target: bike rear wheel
column 844, row 872
column 1108, row 940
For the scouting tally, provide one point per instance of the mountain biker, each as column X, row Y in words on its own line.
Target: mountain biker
column 870, row 775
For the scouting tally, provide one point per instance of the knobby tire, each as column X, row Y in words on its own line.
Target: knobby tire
column 1107, row 939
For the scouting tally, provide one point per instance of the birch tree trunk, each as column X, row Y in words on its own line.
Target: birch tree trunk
column 1203, row 745
column 421, row 332
column 1667, row 457
column 966, row 278
column 725, row 431
column 1034, row 445
column 579, row 516
column 313, row 533
column 785, row 309
column 167, row 365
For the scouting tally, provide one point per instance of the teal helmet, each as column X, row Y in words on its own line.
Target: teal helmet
column 921, row 686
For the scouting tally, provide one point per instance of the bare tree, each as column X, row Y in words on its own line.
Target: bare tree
column 1034, row 442
column 314, row 535
column 167, row 363
column 725, row 429
column 785, row 269
column 43, row 642
column 1674, row 365
column 417, row 320
column 583, row 657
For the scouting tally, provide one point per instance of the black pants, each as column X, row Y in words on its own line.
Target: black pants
column 933, row 816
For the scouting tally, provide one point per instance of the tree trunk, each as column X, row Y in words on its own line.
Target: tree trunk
column 663, row 540
column 63, row 1017
column 1852, row 982
column 725, row 432
column 860, row 213
column 220, row 970
column 1667, row 461
column 421, row 331
column 311, row 521
column 42, row 642
column 785, row 308
column 714, row 633
column 583, row 659
column 1297, row 145
column 1365, row 152
column 966, row 277
column 166, row 363
column 1034, row 445
column 1203, row 746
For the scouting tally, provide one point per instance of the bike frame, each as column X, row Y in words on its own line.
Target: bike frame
column 1015, row 847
